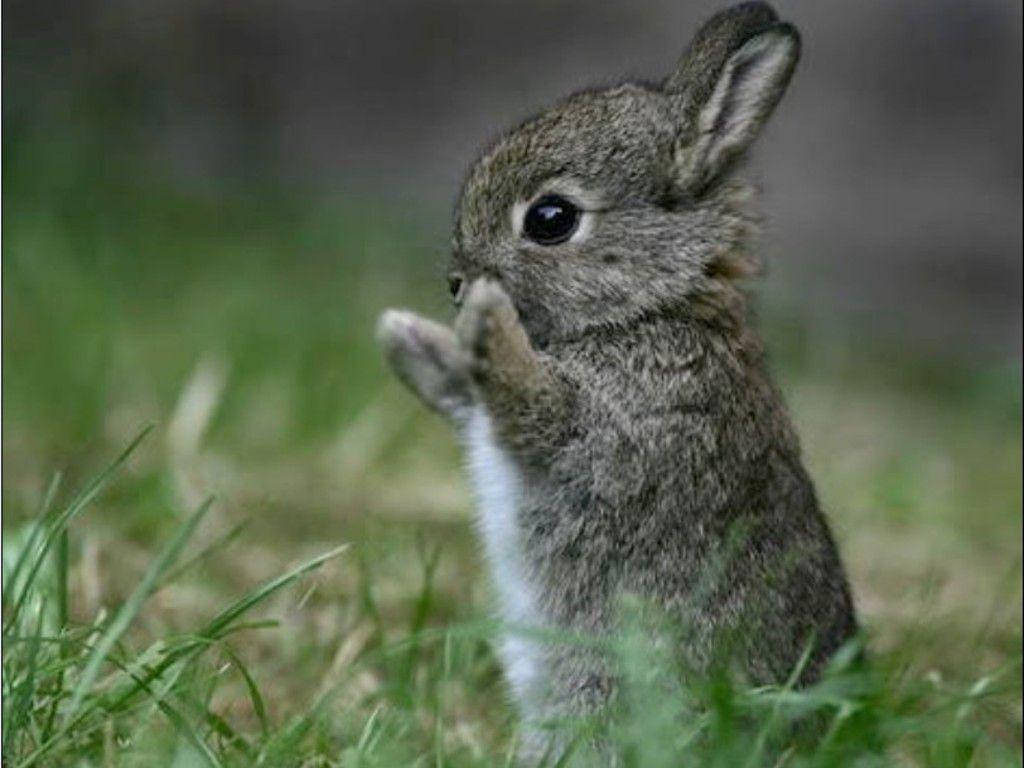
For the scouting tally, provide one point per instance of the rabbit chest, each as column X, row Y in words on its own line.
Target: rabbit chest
column 498, row 487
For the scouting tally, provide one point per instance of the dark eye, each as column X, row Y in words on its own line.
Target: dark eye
column 455, row 285
column 551, row 220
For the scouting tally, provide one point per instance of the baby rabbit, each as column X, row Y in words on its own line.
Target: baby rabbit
column 623, row 434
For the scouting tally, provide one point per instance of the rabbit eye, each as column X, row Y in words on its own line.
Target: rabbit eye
column 551, row 220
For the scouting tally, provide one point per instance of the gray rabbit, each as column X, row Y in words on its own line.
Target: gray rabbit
column 623, row 434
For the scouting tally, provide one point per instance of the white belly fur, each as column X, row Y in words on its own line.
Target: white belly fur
column 498, row 487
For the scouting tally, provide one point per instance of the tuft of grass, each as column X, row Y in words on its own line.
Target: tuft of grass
column 78, row 691
column 56, row 705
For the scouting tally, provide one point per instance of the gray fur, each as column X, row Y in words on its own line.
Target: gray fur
column 621, row 376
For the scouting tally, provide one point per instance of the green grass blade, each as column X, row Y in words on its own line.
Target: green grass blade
column 220, row 726
column 258, row 707
column 421, row 610
column 23, row 694
column 569, row 751
column 62, row 580
column 182, row 726
column 216, row 627
column 37, row 528
column 222, row 624
column 284, row 743
column 73, row 509
column 132, row 605
column 761, row 741
column 200, row 708
column 62, row 623
column 371, row 723
column 217, row 544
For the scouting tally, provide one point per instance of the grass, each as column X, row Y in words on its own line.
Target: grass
column 147, row 625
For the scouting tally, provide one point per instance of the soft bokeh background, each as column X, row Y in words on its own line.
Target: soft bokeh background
column 206, row 204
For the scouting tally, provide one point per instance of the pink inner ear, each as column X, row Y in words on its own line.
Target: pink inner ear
column 747, row 92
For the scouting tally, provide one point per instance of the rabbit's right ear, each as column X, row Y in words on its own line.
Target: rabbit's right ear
column 726, row 86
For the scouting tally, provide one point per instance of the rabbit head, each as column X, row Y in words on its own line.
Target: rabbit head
column 618, row 204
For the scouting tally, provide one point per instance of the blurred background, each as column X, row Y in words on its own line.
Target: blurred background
column 207, row 203
column 893, row 172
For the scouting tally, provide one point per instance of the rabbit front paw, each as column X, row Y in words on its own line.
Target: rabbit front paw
column 426, row 357
column 487, row 321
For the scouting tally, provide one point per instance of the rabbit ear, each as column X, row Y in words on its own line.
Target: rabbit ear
column 727, row 85
column 702, row 62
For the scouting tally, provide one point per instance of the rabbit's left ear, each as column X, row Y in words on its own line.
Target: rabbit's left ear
column 728, row 118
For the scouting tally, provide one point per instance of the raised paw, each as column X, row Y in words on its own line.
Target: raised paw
column 426, row 357
column 487, row 312
column 489, row 330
